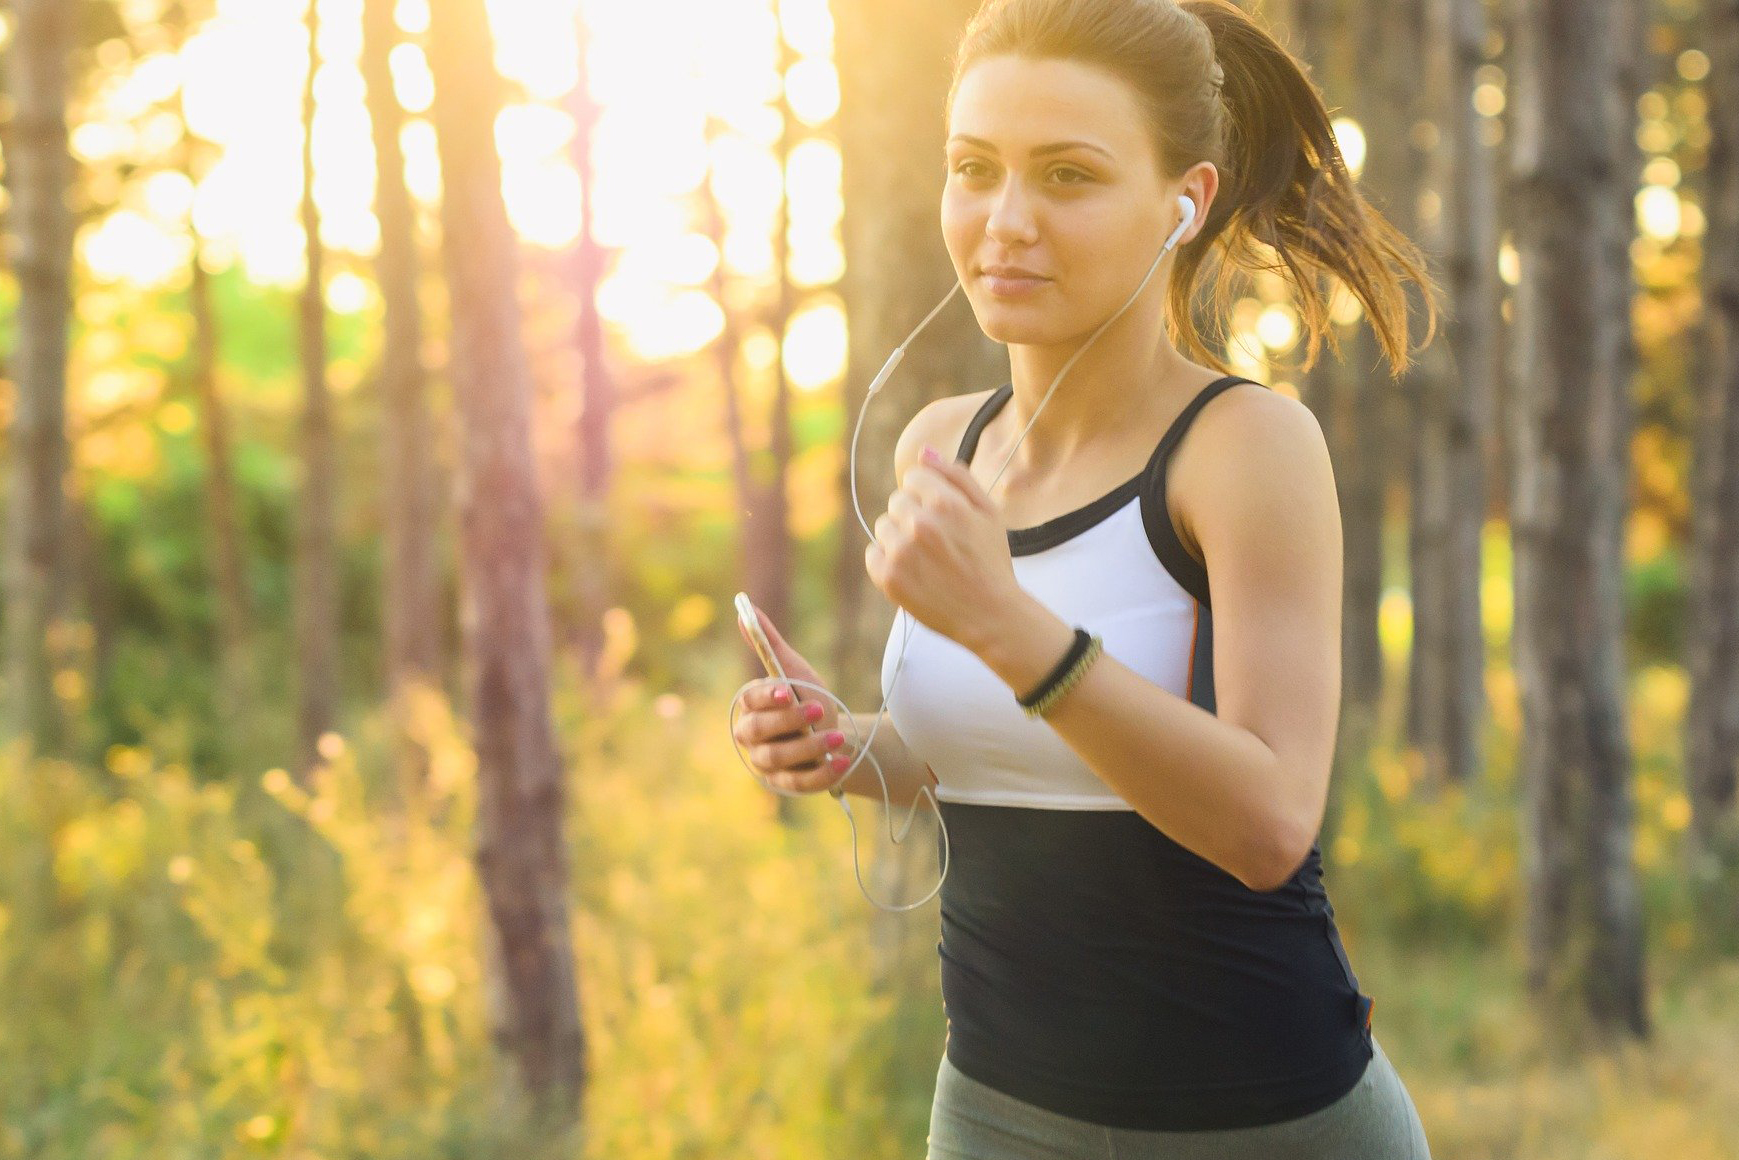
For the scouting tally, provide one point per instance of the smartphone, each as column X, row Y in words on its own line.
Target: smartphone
column 764, row 648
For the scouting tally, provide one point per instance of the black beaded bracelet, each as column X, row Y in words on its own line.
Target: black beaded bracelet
column 1077, row 649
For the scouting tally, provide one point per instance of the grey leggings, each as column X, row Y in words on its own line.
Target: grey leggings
column 1376, row 1120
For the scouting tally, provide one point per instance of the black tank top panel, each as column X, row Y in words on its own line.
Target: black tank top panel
column 1093, row 966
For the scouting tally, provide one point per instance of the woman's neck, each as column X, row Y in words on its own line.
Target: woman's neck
column 1115, row 387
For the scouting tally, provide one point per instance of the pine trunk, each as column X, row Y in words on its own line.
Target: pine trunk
column 1712, row 717
column 1390, row 35
column 1326, row 390
column 412, row 591
column 1584, row 929
column 1456, row 405
column 317, row 505
column 520, row 856
column 39, row 169
column 598, row 392
column 238, row 700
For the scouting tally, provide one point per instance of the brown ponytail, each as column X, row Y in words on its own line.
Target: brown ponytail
column 1219, row 88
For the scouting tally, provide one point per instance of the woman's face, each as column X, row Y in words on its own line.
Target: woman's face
column 1054, row 207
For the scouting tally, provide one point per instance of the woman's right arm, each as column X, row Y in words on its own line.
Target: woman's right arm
column 905, row 774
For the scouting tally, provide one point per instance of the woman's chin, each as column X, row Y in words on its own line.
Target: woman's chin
column 1003, row 323
column 998, row 327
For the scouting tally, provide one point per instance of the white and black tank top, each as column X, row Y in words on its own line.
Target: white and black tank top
column 1090, row 964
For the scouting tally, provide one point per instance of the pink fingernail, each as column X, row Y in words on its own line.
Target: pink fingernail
column 812, row 711
column 781, row 695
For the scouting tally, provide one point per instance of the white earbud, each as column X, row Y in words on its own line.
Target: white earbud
column 1189, row 215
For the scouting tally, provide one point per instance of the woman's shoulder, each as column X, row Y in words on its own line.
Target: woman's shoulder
column 941, row 423
column 1247, row 428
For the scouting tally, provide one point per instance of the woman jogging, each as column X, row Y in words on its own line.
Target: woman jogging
column 1122, row 674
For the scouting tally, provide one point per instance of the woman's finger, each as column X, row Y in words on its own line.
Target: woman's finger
column 961, row 477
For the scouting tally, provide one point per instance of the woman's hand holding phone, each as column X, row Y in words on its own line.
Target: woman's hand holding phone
column 790, row 734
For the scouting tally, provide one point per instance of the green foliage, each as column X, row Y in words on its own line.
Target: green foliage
column 1438, row 867
column 151, row 566
column 174, row 1008
column 1656, row 605
column 247, row 969
column 240, row 968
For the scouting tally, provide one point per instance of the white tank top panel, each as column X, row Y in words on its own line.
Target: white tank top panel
column 1114, row 567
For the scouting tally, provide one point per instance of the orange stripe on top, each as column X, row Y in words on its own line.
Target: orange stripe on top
column 1195, row 634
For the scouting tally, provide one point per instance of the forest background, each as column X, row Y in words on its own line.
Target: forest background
column 388, row 426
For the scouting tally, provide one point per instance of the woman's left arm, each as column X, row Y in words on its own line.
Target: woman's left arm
column 1244, row 787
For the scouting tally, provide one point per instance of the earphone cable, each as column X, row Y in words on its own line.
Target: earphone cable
column 925, row 791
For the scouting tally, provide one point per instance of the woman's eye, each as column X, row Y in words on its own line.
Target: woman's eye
column 1066, row 174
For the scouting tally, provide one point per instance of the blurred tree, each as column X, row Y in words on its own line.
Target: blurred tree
column 1455, row 413
column 317, row 501
column 725, row 350
column 894, row 74
column 765, row 547
column 1307, row 24
column 521, row 858
column 1571, row 177
column 1383, row 68
column 1712, row 717
column 597, row 386
column 237, row 701
column 1328, row 390
column 770, row 549
column 412, row 589
column 769, row 559
column 1399, row 133
column 39, row 170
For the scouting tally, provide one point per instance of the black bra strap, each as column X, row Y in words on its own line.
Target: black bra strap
column 1160, row 533
column 986, row 412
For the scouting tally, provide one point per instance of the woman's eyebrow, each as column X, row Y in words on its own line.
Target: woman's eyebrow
column 1038, row 150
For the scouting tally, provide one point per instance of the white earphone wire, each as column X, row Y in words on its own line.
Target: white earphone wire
column 1188, row 208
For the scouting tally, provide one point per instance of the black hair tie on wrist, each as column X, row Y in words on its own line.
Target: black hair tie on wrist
column 1083, row 640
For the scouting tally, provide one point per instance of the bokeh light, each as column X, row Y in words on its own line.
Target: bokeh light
column 681, row 86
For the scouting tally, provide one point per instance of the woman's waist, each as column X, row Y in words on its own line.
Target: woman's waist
column 1102, row 1029
column 1061, row 956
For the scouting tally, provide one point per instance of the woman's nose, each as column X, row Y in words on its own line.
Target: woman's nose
column 1011, row 219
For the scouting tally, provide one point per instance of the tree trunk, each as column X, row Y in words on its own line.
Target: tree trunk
column 520, row 855
column 1307, row 24
column 772, row 562
column 894, row 74
column 1388, row 34
column 725, row 350
column 38, row 171
column 238, row 699
column 412, row 590
column 1584, row 918
column 1712, row 718
column 761, row 576
column 1325, row 390
column 1397, row 113
column 316, row 542
column 598, row 393
column 1455, row 415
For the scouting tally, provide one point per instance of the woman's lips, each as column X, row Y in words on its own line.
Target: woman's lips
column 1010, row 283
